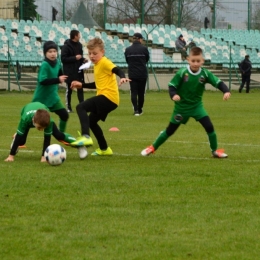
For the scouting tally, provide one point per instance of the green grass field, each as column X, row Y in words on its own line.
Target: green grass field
column 179, row 203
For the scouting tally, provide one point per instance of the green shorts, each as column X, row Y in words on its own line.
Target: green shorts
column 182, row 117
column 57, row 106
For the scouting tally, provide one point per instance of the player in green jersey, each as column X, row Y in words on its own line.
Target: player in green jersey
column 49, row 76
column 36, row 115
column 186, row 90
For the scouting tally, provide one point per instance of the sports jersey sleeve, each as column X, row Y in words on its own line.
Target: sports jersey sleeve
column 108, row 67
column 212, row 79
column 48, row 129
column 23, row 126
column 176, row 80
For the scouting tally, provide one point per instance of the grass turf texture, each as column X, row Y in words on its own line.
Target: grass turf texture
column 179, row 203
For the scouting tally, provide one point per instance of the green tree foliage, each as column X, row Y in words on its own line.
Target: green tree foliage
column 28, row 12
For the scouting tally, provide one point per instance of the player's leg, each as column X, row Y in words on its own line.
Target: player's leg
column 64, row 116
column 209, row 128
column 104, row 107
column 97, row 131
column 141, row 94
column 134, row 93
column 61, row 136
column 67, row 139
column 163, row 136
column 68, row 95
column 82, row 109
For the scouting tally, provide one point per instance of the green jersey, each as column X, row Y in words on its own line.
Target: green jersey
column 47, row 94
column 27, row 114
column 190, row 87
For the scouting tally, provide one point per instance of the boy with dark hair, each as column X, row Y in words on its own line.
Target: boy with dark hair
column 49, row 77
column 186, row 90
column 36, row 115
column 105, row 101
column 72, row 59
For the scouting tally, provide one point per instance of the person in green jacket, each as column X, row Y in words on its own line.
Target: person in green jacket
column 49, row 77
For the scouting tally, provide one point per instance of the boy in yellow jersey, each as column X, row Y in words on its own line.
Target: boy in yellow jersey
column 105, row 101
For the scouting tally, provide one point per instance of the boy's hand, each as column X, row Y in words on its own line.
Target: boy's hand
column 43, row 159
column 62, row 78
column 123, row 80
column 226, row 96
column 176, row 98
column 10, row 158
column 75, row 84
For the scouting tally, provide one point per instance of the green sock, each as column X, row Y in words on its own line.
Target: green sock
column 62, row 126
column 160, row 139
column 213, row 142
column 69, row 138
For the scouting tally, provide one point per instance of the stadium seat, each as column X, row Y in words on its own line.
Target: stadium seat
column 108, row 26
column 81, row 27
column 120, row 28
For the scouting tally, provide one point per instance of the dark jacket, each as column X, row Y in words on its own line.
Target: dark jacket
column 245, row 67
column 137, row 55
column 68, row 57
column 180, row 44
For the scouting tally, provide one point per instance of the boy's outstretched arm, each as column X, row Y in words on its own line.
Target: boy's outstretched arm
column 223, row 87
column 14, row 148
column 121, row 75
column 46, row 143
column 77, row 84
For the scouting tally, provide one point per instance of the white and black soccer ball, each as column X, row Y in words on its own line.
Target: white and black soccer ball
column 55, row 154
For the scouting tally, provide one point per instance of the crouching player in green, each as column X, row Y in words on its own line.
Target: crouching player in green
column 36, row 115
column 186, row 90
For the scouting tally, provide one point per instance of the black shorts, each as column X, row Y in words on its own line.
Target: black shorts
column 99, row 106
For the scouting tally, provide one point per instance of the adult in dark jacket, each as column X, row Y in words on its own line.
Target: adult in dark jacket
column 180, row 44
column 245, row 68
column 137, row 56
column 72, row 58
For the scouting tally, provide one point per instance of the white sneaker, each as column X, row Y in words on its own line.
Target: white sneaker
column 82, row 151
column 147, row 151
column 219, row 154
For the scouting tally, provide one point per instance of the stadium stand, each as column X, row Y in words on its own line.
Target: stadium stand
column 24, row 40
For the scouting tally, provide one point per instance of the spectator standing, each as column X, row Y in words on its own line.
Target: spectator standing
column 180, row 44
column 72, row 58
column 49, row 76
column 206, row 22
column 245, row 68
column 137, row 56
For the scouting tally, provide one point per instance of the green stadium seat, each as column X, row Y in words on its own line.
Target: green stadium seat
column 2, row 22
column 81, row 27
column 120, row 28
column 108, row 26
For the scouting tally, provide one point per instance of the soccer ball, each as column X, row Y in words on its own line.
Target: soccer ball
column 55, row 154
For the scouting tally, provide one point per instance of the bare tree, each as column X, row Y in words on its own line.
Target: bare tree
column 70, row 9
column 255, row 16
